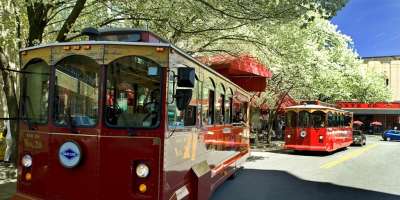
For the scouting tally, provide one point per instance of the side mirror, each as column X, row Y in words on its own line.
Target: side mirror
column 183, row 97
column 186, row 77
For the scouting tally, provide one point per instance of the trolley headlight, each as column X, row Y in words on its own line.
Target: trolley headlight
column 142, row 170
column 289, row 136
column 321, row 137
column 27, row 160
column 303, row 133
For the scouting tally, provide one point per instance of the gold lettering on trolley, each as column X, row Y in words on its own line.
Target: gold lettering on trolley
column 32, row 141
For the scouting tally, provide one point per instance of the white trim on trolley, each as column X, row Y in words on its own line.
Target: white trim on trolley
column 100, row 136
column 96, row 43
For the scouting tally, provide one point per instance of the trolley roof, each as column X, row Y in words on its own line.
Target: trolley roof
column 313, row 108
column 157, row 41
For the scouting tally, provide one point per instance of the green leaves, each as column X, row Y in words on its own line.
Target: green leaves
column 309, row 57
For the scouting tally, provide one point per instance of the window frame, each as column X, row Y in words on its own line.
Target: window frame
column 299, row 121
column 211, row 87
column 320, row 113
column 197, row 122
column 221, row 95
column 24, row 88
column 293, row 119
column 329, row 119
column 229, row 98
column 103, row 97
column 99, row 98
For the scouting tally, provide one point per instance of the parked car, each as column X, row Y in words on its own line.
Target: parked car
column 391, row 135
column 359, row 138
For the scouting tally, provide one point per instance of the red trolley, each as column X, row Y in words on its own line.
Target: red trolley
column 315, row 127
column 126, row 115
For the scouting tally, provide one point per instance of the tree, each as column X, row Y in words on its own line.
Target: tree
column 37, row 17
column 200, row 26
column 10, row 41
column 288, row 35
column 313, row 62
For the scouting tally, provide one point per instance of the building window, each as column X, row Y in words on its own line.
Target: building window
column 387, row 82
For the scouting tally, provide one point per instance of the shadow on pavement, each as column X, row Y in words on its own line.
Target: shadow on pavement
column 254, row 184
column 254, row 158
column 7, row 190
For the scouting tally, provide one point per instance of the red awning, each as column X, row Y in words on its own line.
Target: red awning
column 244, row 70
column 288, row 101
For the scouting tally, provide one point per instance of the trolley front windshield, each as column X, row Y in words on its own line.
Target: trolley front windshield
column 133, row 93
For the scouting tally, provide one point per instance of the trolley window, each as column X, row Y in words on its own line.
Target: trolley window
column 318, row 119
column 347, row 120
column 228, row 106
column 291, row 119
column 133, row 93
column 331, row 120
column 189, row 116
column 239, row 111
column 208, row 109
column 220, row 105
column 76, row 92
column 36, row 92
column 304, row 119
column 341, row 120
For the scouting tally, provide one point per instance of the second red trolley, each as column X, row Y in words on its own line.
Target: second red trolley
column 313, row 127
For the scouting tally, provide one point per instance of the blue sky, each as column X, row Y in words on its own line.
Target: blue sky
column 374, row 26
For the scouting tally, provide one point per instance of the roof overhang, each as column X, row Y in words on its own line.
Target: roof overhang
column 244, row 70
column 373, row 111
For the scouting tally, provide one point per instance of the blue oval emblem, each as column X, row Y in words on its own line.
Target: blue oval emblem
column 69, row 154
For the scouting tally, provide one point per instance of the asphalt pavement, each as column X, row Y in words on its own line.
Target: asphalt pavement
column 8, row 177
column 370, row 172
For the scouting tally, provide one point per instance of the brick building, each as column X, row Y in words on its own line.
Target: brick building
column 389, row 66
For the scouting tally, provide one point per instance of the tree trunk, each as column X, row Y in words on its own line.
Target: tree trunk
column 271, row 119
column 76, row 11
column 37, row 16
column 9, row 83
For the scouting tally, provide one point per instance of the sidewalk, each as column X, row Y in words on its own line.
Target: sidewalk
column 8, row 178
